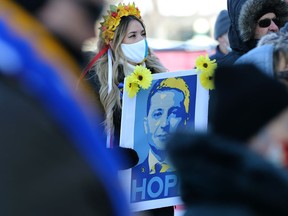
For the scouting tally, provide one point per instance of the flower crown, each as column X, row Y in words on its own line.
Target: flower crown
column 112, row 20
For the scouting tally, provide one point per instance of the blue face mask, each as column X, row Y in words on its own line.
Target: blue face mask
column 136, row 52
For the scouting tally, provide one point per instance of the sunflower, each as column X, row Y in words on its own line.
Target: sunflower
column 131, row 86
column 122, row 11
column 207, row 79
column 143, row 76
column 205, row 64
column 113, row 22
column 107, row 35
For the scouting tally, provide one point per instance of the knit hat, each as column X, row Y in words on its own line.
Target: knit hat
column 245, row 101
column 261, row 57
column 252, row 10
column 277, row 39
column 222, row 24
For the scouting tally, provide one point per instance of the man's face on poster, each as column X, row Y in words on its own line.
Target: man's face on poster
column 166, row 114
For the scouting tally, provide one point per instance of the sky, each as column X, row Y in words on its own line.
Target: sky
column 183, row 7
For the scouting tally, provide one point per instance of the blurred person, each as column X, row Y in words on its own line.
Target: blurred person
column 167, row 111
column 70, row 22
column 270, row 56
column 220, row 176
column 279, row 41
column 250, row 20
column 236, row 168
column 52, row 150
column 221, row 28
column 285, row 27
column 121, row 47
column 249, row 106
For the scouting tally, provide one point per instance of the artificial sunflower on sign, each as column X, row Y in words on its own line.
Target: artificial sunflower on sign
column 132, row 86
column 206, row 67
column 140, row 78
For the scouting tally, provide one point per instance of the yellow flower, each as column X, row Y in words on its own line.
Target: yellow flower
column 205, row 64
column 112, row 23
column 120, row 7
column 207, row 79
column 122, row 11
column 143, row 76
column 107, row 35
column 133, row 10
column 131, row 86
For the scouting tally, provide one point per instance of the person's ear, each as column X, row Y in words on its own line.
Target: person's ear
column 145, row 125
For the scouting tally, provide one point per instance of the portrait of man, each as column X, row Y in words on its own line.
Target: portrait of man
column 167, row 110
column 174, row 101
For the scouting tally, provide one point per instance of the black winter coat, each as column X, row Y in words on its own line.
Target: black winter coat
column 217, row 55
column 236, row 43
column 221, row 177
column 238, row 46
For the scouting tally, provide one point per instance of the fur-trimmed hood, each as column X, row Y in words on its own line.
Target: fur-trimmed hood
column 252, row 10
column 236, row 43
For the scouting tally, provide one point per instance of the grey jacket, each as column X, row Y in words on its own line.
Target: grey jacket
column 261, row 57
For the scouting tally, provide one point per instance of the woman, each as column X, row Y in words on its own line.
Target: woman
column 122, row 46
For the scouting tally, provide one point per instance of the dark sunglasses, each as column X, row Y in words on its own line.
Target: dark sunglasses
column 264, row 23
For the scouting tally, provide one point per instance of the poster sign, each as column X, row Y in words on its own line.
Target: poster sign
column 174, row 101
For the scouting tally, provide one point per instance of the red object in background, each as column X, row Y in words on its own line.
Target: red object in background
column 285, row 147
column 175, row 60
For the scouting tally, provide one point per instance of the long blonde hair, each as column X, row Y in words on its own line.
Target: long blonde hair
column 112, row 101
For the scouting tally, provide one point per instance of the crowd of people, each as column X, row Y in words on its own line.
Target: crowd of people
column 61, row 112
column 239, row 166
